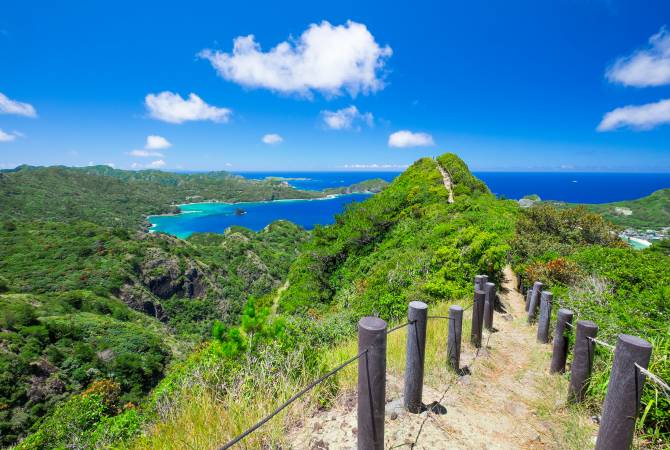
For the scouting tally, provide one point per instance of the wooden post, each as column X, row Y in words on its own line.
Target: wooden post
column 560, row 353
column 477, row 318
column 529, row 294
column 480, row 282
column 582, row 362
column 371, row 383
column 622, row 401
column 417, row 316
column 454, row 337
column 545, row 317
column 489, row 305
column 534, row 301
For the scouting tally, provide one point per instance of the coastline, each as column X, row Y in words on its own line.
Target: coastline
column 152, row 228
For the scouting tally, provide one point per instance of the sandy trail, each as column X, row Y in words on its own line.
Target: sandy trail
column 493, row 408
column 448, row 184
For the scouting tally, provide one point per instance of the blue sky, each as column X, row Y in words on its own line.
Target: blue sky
column 515, row 85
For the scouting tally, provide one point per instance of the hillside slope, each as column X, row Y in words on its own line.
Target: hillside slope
column 407, row 242
column 122, row 198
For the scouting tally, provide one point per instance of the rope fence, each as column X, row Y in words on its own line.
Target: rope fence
column 629, row 371
column 306, row 389
column 372, row 337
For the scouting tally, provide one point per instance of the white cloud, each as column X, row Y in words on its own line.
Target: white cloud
column 375, row 166
column 325, row 58
column 642, row 117
column 170, row 107
column 156, row 164
column 346, row 118
column 9, row 106
column 646, row 67
column 406, row 138
column 109, row 164
column 156, row 142
column 272, row 138
column 146, row 154
column 6, row 137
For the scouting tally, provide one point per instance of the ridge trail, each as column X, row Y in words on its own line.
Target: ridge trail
column 448, row 184
column 509, row 401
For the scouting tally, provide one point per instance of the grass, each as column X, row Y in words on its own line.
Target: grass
column 207, row 418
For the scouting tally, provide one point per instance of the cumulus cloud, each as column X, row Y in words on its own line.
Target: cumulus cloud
column 6, row 137
column 645, row 67
column 272, row 138
column 9, row 106
column 346, row 118
column 406, row 138
column 640, row 117
column 170, row 107
column 156, row 142
column 325, row 58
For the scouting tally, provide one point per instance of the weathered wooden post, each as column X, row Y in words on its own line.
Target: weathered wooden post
column 371, row 383
column 560, row 352
column 417, row 316
column 489, row 305
column 454, row 336
column 529, row 294
column 622, row 401
column 582, row 362
column 477, row 318
column 480, row 282
column 534, row 301
column 545, row 317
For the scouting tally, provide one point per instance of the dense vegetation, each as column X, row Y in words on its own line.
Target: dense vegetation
column 121, row 198
column 54, row 345
column 373, row 186
column 404, row 243
column 623, row 290
column 102, row 325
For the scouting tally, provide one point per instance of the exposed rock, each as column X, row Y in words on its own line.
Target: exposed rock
column 42, row 388
column 140, row 300
column 161, row 273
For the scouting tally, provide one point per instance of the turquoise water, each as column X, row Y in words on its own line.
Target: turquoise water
column 216, row 217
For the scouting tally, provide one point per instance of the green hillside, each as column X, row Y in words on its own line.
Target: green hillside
column 118, row 338
column 652, row 211
column 402, row 244
column 86, row 300
column 112, row 197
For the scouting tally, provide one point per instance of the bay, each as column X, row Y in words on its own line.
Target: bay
column 216, row 217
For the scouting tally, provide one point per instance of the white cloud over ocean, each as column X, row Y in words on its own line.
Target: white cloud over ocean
column 645, row 67
column 638, row 117
column 172, row 108
column 325, row 58
column 9, row 106
column 272, row 139
column 346, row 118
column 406, row 138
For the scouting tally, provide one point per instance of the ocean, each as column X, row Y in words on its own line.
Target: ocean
column 573, row 187
column 568, row 187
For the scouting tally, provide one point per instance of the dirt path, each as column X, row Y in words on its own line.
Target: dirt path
column 275, row 300
column 447, row 182
column 509, row 401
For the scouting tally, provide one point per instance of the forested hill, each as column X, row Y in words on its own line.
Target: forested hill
column 647, row 212
column 122, row 198
column 405, row 243
column 278, row 308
